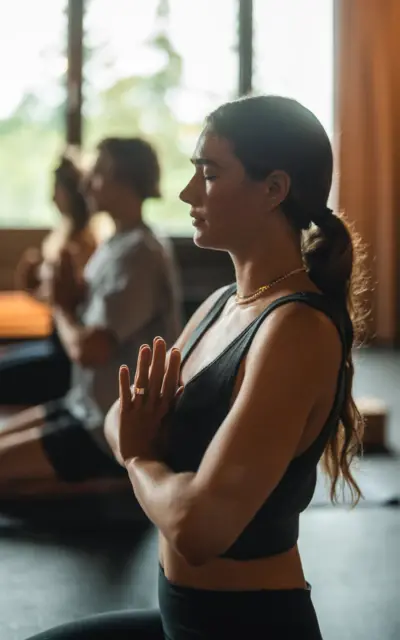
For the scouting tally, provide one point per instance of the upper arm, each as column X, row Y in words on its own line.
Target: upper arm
column 285, row 374
column 126, row 300
column 123, row 302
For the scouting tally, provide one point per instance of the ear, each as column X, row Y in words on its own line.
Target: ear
column 277, row 187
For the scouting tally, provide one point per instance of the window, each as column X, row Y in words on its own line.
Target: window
column 293, row 56
column 152, row 68
column 156, row 68
column 32, row 102
column 293, row 53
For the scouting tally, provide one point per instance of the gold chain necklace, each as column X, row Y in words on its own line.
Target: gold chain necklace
column 261, row 290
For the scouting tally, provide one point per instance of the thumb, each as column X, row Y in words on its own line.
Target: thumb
column 179, row 392
column 125, row 395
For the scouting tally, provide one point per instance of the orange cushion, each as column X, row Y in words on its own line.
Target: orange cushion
column 23, row 317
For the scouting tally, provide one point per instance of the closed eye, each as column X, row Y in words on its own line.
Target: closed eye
column 210, row 178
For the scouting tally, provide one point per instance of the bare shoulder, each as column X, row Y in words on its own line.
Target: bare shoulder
column 198, row 316
column 298, row 334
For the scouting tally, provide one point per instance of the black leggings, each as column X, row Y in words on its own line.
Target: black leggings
column 34, row 372
column 71, row 450
column 193, row 614
column 147, row 625
column 122, row 625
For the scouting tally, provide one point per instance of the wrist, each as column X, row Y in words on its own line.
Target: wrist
column 142, row 466
column 146, row 457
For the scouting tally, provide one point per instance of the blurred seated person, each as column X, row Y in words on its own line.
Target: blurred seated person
column 73, row 233
column 130, row 296
column 36, row 371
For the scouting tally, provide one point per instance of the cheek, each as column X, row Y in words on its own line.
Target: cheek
column 60, row 201
column 96, row 185
column 227, row 200
column 220, row 193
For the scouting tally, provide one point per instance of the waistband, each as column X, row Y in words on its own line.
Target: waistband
column 230, row 593
column 189, row 613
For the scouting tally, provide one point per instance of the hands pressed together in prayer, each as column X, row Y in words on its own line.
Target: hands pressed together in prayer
column 26, row 276
column 142, row 408
column 66, row 290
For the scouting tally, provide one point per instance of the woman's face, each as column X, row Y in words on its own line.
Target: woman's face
column 228, row 208
column 61, row 198
column 100, row 184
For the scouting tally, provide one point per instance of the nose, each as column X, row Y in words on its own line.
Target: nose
column 89, row 182
column 184, row 195
column 190, row 194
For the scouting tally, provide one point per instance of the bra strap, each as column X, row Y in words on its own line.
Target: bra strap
column 207, row 321
column 321, row 303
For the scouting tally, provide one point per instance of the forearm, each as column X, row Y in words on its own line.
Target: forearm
column 111, row 431
column 41, row 293
column 165, row 497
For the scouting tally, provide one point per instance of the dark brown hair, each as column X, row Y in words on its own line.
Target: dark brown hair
column 274, row 133
column 135, row 164
column 69, row 177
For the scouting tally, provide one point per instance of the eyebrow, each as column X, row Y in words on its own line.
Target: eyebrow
column 201, row 162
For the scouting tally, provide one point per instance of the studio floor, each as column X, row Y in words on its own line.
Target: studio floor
column 101, row 562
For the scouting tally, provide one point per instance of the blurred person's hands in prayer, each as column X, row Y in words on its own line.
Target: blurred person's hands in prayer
column 67, row 289
column 26, row 275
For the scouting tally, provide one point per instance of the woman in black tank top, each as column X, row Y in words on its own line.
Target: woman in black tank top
column 221, row 440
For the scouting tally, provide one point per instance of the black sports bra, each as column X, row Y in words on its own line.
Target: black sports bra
column 206, row 402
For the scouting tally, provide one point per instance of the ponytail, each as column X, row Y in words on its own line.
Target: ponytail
column 333, row 254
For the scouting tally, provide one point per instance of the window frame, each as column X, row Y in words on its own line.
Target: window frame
column 75, row 16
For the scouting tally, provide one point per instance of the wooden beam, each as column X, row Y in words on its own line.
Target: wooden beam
column 245, row 46
column 74, row 75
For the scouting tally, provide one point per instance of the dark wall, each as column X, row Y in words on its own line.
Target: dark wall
column 202, row 272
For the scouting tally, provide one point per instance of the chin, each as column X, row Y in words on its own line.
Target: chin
column 205, row 241
column 200, row 241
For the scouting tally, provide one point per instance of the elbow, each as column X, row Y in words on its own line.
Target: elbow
column 82, row 356
column 90, row 353
column 88, row 359
column 199, row 543
column 192, row 551
column 75, row 352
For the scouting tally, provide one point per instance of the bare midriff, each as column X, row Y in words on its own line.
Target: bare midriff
column 283, row 571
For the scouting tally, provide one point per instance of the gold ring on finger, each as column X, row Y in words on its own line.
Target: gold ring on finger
column 140, row 391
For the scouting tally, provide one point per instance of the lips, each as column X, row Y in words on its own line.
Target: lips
column 198, row 222
column 196, row 218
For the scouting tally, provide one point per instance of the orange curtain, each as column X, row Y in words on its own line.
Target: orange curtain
column 368, row 128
